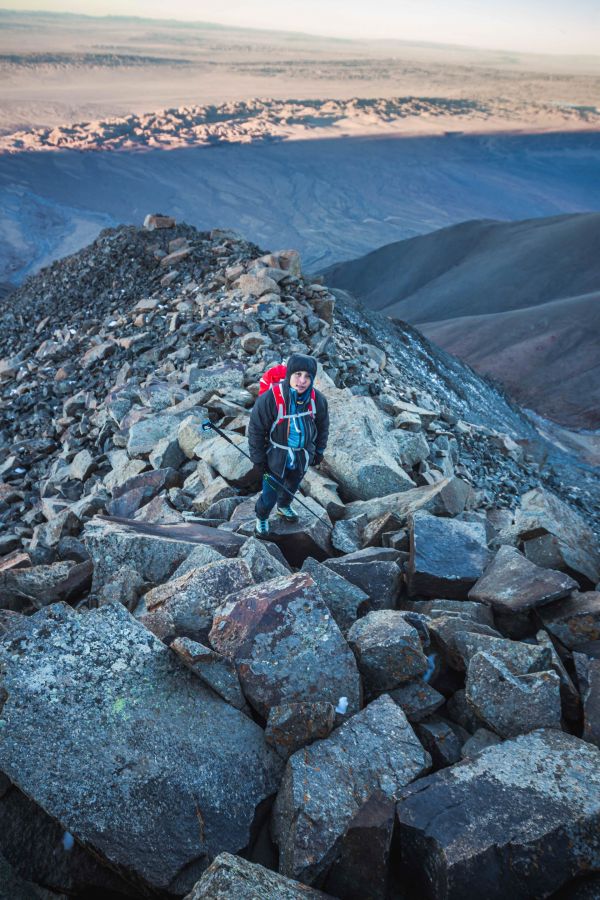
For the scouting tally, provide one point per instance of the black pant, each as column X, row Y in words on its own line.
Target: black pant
column 271, row 493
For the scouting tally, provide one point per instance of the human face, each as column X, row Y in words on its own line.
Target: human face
column 300, row 381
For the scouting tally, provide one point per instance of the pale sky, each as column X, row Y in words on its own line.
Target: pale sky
column 537, row 26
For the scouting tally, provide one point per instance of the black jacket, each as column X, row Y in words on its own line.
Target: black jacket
column 264, row 413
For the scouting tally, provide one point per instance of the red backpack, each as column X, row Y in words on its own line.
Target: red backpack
column 272, row 380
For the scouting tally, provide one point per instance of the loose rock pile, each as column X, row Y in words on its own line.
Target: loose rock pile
column 394, row 697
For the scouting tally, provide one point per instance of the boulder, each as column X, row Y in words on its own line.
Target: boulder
column 448, row 633
column 219, row 489
column 575, row 621
column 400, row 504
column 213, row 669
column 509, row 702
column 115, row 740
column 359, row 870
column 388, row 650
column 518, row 820
column 154, row 551
column 447, row 556
column 478, row 741
column 222, row 378
column 201, row 555
column 411, row 447
column 286, row 645
column 417, row 699
column 325, row 785
column 347, row 534
column 542, row 512
column 25, row 590
column 184, row 606
column 291, row 726
column 324, row 491
column 361, row 453
column 442, row 740
column 588, row 679
column 230, row 877
column 345, row 601
column 512, row 583
column 264, row 559
column 134, row 493
column 236, row 468
column 380, row 579
column 144, row 434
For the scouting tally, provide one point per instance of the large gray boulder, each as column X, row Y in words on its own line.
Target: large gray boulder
column 543, row 513
column 361, row 454
column 184, row 606
column 154, row 551
column 286, row 645
column 113, row 738
column 325, row 785
column 512, row 702
column 447, row 556
column 512, row 583
column 232, row 878
column 380, row 579
column 518, row 820
column 400, row 504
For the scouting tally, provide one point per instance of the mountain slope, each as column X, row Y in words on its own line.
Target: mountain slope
column 516, row 300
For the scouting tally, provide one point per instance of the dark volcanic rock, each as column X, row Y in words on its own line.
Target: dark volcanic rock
column 512, row 583
column 111, row 736
column 213, row 669
column 381, row 579
column 293, row 725
column 286, row 645
column 518, row 820
column 360, row 868
column 588, row 678
column 575, row 621
column 417, row 699
column 325, row 785
column 447, row 556
column 388, row 650
column 231, row 878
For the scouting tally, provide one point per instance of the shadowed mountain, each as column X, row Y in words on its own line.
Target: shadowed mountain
column 518, row 301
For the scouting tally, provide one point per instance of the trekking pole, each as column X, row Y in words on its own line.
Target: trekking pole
column 208, row 425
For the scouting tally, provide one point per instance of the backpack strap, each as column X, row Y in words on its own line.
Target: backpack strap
column 279, row 403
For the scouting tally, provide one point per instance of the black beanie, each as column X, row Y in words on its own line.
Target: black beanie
column 298, row 362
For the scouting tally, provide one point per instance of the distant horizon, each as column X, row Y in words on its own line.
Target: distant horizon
column 238, row 20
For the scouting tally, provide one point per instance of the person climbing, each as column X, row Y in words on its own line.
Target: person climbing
column 288, row 431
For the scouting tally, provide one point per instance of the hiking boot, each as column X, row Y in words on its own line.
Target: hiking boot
column 261, row 527
column 287, row 513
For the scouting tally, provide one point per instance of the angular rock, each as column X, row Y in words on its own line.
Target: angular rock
column 125, row 586
column 264, row 559
column 380, row 580
column 417, row 699
column 361, row 453
column 200, row 556
column 388, row 650
column 448, row 633
column 184, row 606
column 347, row 534
column 291, row 726
column 345, row 601
column 25, row 590
column 217, row 490
column 459, row 836
column 145, row 434
column 325, row 785
column 166, row 454
column 213, row 669
column 229, row 462
column 510, row 703
column 512, row 583
column 447, row 556
column 373, row 532
column 139, row 762
column 400, row 504
column 154, row 551
column 134, row 493
column 360, row 868
column 441, row 739
column 588, row 679
column 480, row 740
column 230, row 877
column 286, row 645
column 82, row 466
column 324, row 491
column 222, row 377
column 411, row 447
column 542, row 512
column 575, row 621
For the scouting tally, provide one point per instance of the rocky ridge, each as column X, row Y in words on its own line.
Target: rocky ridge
column 429, row 625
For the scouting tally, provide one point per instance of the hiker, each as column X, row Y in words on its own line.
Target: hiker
column 288, row 431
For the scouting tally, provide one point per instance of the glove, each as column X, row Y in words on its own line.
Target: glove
column 317, row 459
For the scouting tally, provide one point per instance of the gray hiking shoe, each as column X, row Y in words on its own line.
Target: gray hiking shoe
column 287, row 513
column 261, row 527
